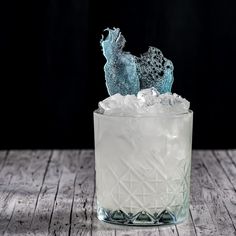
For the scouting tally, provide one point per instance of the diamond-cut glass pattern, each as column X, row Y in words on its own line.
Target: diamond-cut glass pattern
column 143, row 169
column 148, row 192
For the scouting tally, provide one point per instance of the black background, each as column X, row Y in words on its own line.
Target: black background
column 51, row 76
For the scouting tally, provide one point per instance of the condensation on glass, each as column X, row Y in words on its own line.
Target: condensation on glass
column 143, row 168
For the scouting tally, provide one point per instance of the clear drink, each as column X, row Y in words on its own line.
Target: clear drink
column 143, row 168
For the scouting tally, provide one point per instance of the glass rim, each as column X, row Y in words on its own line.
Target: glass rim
column 166, row 114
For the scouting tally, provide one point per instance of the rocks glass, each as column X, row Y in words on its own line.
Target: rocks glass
column 143, row 168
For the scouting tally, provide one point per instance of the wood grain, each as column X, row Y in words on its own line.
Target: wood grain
column 215, row 189
column 26, row 170
column 53, row 193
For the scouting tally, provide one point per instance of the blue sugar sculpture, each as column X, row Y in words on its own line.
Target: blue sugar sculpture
column 128, row 74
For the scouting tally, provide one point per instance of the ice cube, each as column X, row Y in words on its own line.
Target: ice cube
column 147, row 101
column 170, row 103
column 131, row 103
column 112, row 104
column 148, row 96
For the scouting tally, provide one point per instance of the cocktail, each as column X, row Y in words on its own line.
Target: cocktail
column 143, row 146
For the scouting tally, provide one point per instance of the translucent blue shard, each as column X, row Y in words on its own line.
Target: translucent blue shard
column 128, row 74
column 120, row 69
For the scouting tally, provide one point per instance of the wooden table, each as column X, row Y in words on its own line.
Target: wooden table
column 53, row 193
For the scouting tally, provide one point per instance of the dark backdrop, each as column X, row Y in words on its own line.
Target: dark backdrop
column 51, row 76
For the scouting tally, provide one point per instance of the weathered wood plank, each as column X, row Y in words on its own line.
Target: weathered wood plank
column 215, row 170
column 23, row 189
column 60, row 221
column 229, row 168
column 32, row 171
column 187, row 227
column 167, row 231
column 43, row 217
column 8, row 195
column 7, row 202
column 83, row 212
column 211, row 192
column 136, row 231
column 148, row 232
column 227, row 160
column 203, row 221
column 13, row 163
column 128, row 232
column 199, row 212
column 46, row 197
column 223, row 174
column 3, row 158
column 232, row 155
column 100, row 228
column 200, row 189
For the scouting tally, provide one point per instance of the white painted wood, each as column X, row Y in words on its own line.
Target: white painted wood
column 215, row 183
column 148, row 232
column 227, row 166
column 187, row 227
column 16, row 160
column 136, row 231
column 201, row 190
column 25, row 184
column 3, row 158
column 232, row 155
column 7, row 196
column 167, row 230
column 59, row 177
column 220, row 164
column 128, row 232
column 100, row 228
column 83, row 211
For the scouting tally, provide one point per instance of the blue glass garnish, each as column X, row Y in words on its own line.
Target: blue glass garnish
column 128, row 74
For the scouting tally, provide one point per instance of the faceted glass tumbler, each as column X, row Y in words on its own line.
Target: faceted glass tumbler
column 143, row 168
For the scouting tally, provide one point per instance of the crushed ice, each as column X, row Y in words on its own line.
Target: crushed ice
column 147, row 102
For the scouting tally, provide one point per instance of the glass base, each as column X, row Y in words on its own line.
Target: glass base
column 139, row 219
